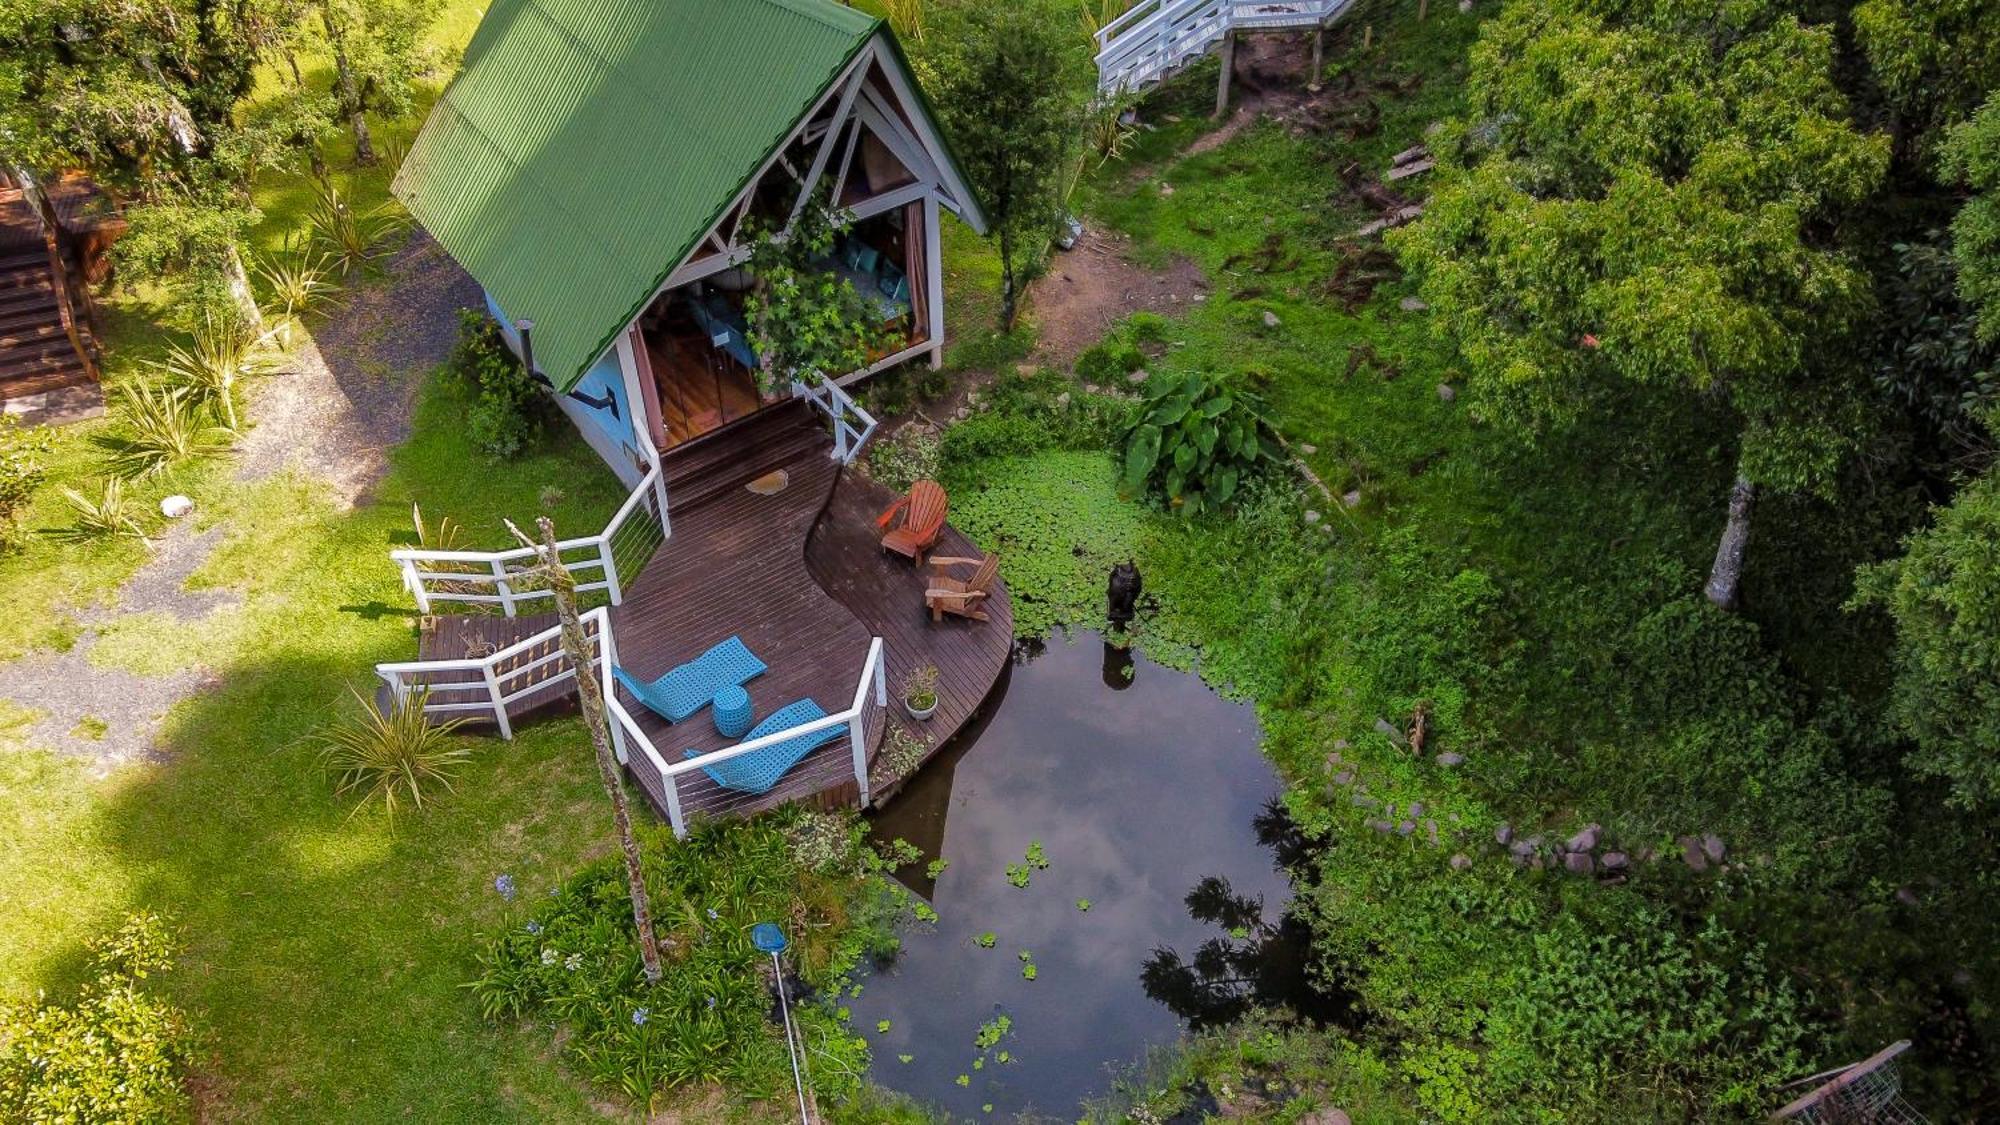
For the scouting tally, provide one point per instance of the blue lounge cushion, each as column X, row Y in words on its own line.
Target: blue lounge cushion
column 757, row 772
column 859, row 256
column 893, row 284
column 688, row 688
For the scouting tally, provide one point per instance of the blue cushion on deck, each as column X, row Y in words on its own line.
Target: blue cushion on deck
column 758, row 772
column 688, row 688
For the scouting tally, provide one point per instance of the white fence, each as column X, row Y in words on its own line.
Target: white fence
column 1155, row 38
column 626, row 733
column 488, row 687
column 472, row 579
column 852, row 426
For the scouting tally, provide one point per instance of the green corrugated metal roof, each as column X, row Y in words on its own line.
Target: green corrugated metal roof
column 587, row 145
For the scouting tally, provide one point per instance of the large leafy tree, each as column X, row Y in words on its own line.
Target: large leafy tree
column 1646, row 196
column 1944, row 594
column 1010, row 83
column 378, row 50
column 1972, row 155
column 1935, row 60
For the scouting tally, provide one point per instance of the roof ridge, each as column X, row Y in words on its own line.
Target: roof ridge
column 823, row 11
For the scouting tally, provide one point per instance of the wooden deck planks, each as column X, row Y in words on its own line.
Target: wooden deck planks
column 801, row 577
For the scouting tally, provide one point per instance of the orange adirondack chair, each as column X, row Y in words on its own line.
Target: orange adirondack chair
column 961, row 597
column 922, row 513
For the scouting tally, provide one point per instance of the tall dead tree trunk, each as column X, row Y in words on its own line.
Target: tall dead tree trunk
column 578, row 649
column 1725, row 579
column 347, row 88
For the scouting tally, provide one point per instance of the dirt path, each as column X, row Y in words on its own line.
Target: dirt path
column 1094, row 286
column 336, row 416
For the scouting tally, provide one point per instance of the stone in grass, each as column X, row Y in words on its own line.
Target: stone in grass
column 1344, row 777
column 1450, row 759
column 1504, row 834
column 1461, row 862
column 1405, row 828
column 1271, row 319
column 1691, row 853
column 1412, row 304
column 1711, row 846
column 1447, row 392
column 1352, row 499
column 1585, row 840
column 1614, row 861
column 1312, row 516
column 1139, row 376
column 176, row 506
column 1579, row 863
column 1381, row 825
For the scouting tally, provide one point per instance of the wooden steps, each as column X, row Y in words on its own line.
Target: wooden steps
column 711, row 466
column 37, row 357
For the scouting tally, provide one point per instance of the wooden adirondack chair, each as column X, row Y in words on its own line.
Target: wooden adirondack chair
column 961, row 597
column 922, row 513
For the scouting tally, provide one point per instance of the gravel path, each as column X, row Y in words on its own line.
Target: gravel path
column 350, row 400
column 335, row 417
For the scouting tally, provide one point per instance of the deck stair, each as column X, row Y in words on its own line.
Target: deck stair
column 711, row 466
column 1156, row 39
column 36, row 354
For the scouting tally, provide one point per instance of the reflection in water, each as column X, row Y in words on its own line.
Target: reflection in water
column 1119, row 671
column 1256, row 963
column 1135, row 791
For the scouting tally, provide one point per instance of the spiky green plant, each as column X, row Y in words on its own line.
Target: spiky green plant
column 907, row 17
column 111, row 514
column 352, row 239
column 225, row 351
column 300, row 281
column 392, row 757
column 166, row 426
column 1106, row 129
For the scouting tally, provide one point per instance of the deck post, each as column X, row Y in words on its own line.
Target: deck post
column 1319, row 55
column 934, row 268
column 501, row 585
column 671, row 786
column 1228, row 68
column 607, row 656
column 499, row 701
column 857, row 740
column 416, row 587
column 610, row 567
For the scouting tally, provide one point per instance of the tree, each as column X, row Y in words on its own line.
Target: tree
column 1971, row 154
column 378, row 50
column 1010, row 85
column 1653, row 205
column 1944, row 595
column 806, row 322
column 580, row 652
column 1934, row 60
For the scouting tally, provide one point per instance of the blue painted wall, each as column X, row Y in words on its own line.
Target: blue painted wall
column 602, row 381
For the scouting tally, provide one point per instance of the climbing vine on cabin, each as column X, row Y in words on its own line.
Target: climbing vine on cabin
column 806, row 321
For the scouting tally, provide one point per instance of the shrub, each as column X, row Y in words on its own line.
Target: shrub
column 1107, row 363
column 509, row 409
column 394, row 756
column 225, row 351
column 21, row 472
column 575, row 961
column 168, row 426
column 352, row 239
column 118, row 1056
column 1195, row 442
column 110, row 515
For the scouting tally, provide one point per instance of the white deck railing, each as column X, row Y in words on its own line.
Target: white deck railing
column 852, row 426
column 626, row 733
column 486, row 687
column 1154, row 38
column 504, row 578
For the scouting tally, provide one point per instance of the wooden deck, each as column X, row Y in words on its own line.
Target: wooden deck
column 800, row 576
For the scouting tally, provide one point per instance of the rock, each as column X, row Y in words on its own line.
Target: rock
column 1711, row 846
column 1521, row 848
column 176, row 506
column 1271, row 319
column 1906, row 896
column 1380, row 825
column 1139, row 376
column 1198, row 298
column 1460, row 862
column 1585, row 840
column 1341, row 744
column 1431, row 828
column 1312, row 516
column 1308, row 448
column 1464, row 5
column 1416, row 808
column 1326, row 1117
column 1092, row 389
column 1344, row 777
column 1503, row 834
column 1394, row 734
column 1025, row 370
column 1361, row 802
column 1433, row 129
column 1450, row 759
column 1447, row 392
column 1166, row 189
column 1614, row 861
column 1412, row 304
column 1579, row 863
column 1406, row 827
column 1352, row 499
column 963, row 413
column 1691, row 853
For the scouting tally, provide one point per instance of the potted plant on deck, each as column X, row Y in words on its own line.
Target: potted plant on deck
column 920, row 695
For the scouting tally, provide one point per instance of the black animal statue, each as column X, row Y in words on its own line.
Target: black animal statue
column 1122, row 594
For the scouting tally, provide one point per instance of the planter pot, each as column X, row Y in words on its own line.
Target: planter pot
column 920, row 713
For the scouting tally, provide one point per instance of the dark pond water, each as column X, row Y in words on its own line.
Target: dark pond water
column 1149, row 798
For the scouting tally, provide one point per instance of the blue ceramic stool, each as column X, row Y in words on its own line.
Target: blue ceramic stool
column 732, row 711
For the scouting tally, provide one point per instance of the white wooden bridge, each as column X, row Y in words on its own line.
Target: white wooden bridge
column 1157, row 38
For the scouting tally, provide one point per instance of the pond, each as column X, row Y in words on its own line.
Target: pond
column 1136, row 807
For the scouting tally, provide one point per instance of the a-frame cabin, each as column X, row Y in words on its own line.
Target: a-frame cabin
column 596, row 167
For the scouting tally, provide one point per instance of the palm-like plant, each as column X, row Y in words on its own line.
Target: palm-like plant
column 907, row 17
column 351, row 239
column 225, row 351
column 168, row 426
column 109, row 515
column 300, row 281
column 393, row 757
